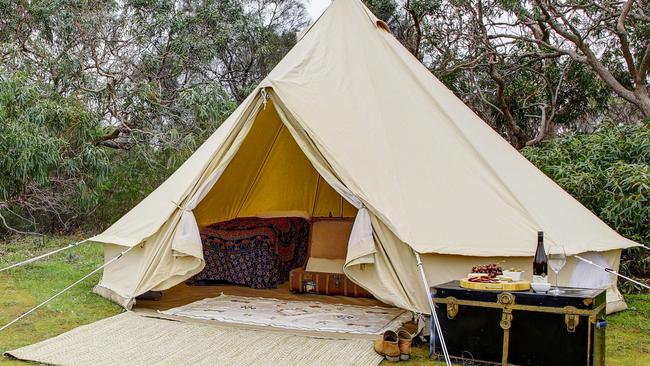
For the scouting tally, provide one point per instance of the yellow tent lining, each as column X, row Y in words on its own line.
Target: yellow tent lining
column 259, row 170
column 270, row 173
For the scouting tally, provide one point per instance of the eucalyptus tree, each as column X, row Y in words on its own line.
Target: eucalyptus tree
column 610, row 37
column 132, row 84
column 149, row 66
column 481, row 49
column 50, row 166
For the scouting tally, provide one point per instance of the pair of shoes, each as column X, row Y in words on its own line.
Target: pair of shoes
column 395, row 346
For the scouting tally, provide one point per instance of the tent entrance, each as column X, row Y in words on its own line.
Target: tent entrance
column 268, row 178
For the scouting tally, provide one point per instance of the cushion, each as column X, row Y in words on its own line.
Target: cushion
column 329, row 237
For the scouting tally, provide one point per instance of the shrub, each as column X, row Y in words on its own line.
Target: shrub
column 50, row 164
column 609, row 172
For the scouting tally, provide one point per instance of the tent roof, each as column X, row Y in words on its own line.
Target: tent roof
column 421, row 161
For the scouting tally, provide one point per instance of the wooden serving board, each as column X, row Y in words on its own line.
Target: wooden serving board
column 500, row 286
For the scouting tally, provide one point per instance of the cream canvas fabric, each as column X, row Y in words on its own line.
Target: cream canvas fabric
column 350, row 123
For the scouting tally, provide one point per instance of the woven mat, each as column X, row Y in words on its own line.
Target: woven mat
column 132, row 339
column 295, row 315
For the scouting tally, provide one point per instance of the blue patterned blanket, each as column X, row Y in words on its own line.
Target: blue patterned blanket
column 252, row 251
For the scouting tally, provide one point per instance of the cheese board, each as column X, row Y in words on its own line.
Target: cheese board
column 496, row 285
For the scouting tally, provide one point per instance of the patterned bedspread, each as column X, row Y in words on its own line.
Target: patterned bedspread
column 253, row 251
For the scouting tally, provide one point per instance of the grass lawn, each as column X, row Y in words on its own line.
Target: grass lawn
column 628, row 333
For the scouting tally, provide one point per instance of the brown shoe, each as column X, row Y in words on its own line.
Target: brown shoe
column 388, row 346
column 404, row 344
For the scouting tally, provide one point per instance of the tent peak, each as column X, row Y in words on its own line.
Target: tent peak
column 378, row 22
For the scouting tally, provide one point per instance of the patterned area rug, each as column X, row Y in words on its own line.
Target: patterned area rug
column 299, row 315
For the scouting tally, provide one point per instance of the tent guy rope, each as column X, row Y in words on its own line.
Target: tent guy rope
column 606, row 269
column 39, row 257
column 65, row 289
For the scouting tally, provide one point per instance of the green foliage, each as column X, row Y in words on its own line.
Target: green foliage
column 48, row 155
column 383, row 9
column 102, row 100
column 609, row 172
column 25, row 287
column 136, row 172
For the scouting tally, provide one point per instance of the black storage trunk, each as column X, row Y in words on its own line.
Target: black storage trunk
column 523, row 327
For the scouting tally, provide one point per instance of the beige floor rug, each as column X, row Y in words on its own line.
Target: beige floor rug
column 132, row 339
column 296, row 315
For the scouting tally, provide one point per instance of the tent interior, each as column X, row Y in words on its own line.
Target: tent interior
column 268, row 177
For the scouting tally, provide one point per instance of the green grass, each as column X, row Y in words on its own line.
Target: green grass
column 628, row 333
column 24, row 287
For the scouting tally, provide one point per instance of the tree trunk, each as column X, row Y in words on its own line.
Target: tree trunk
column 643, row 101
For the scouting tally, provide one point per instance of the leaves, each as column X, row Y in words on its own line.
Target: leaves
column 48, row 160
column 608, row 172
column 101, row 100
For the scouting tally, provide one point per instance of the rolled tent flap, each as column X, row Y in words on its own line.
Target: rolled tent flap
column 187, row 238
column 361, row 247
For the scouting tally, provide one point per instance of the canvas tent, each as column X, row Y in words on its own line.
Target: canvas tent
column 350, row 122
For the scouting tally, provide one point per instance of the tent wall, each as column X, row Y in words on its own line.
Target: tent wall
column 270, row 173
column 153, row 265
column 392, row 275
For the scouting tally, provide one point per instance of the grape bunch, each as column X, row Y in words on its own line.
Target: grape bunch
column 492, row 270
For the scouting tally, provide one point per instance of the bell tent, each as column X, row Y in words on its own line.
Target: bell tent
column 350, row 123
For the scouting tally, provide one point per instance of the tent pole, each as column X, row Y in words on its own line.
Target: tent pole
column 434, row 315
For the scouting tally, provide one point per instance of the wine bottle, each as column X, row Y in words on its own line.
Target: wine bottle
column 540, row 263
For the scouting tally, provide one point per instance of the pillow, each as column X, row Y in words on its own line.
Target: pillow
column 273, row 214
